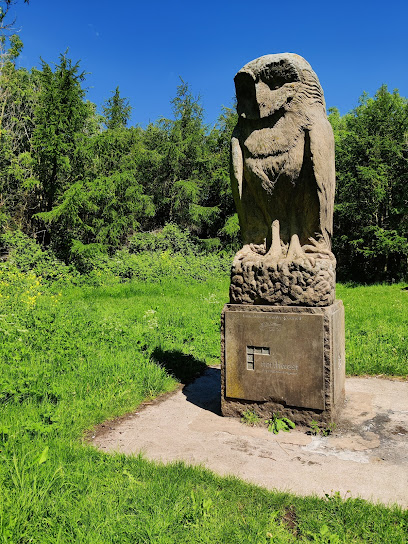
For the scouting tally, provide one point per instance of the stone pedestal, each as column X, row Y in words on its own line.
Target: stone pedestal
column 286, row 359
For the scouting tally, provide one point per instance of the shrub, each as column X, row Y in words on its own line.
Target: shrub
column 25, row 254
column 171, row 238
column 86, row 257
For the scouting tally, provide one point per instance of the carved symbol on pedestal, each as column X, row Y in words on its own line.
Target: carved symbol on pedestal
column 251, row 351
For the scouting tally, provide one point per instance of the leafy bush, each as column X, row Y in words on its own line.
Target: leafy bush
column 152, row 256
column 86, row 257
column 171, row 238
column 156, row 266
column 26, row 255
column 230, row 233
column 18, row 287
column 209, row 245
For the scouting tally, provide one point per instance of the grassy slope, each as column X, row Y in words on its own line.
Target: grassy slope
column 70, row 361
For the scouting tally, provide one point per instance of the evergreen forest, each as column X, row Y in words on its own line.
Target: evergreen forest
column 83, row 185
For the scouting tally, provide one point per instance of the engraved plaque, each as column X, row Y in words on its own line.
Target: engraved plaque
column 275, row 356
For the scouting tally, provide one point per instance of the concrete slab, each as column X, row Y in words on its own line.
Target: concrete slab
column 366, row 456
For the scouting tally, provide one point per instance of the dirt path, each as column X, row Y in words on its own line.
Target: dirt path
column 366, row 457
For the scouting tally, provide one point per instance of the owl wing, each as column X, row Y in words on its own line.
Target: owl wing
column 248, row 203
column 237, row 178
column 237, row 169
column 322, row 152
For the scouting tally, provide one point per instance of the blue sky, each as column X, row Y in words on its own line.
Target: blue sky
column 145, row 46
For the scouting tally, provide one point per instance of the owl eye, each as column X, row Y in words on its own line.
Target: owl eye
column 277, row 74
column 246, row 95
column 244, row 85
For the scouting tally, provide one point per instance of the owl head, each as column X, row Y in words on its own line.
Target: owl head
column 275, row 82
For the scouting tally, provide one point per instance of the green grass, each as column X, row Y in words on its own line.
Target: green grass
column 71, row 361
column 376, row 329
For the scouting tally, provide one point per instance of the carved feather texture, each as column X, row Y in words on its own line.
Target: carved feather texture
column 282, row 160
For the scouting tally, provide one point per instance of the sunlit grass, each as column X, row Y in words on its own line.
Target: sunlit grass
column 73, row 360
column 376, row 329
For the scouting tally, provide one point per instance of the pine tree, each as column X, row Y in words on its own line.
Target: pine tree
column 116, row 111
column 60, row 119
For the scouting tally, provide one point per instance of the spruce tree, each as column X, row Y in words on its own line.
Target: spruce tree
column 116, row 111
column 60, row 119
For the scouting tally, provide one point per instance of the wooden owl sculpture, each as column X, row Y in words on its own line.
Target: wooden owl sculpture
column 283, row 182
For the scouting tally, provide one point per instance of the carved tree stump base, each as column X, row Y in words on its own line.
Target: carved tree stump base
column 259, row 279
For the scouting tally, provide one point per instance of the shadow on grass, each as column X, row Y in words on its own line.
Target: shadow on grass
column 185, row 368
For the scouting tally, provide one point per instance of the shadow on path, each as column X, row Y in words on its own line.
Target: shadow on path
column 203, row 384
column 205, row 391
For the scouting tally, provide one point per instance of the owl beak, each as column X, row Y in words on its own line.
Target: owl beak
column 267, row 100
column 270, row 101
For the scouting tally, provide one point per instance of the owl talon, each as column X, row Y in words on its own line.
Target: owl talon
column 274, row 243
column 295, row 249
